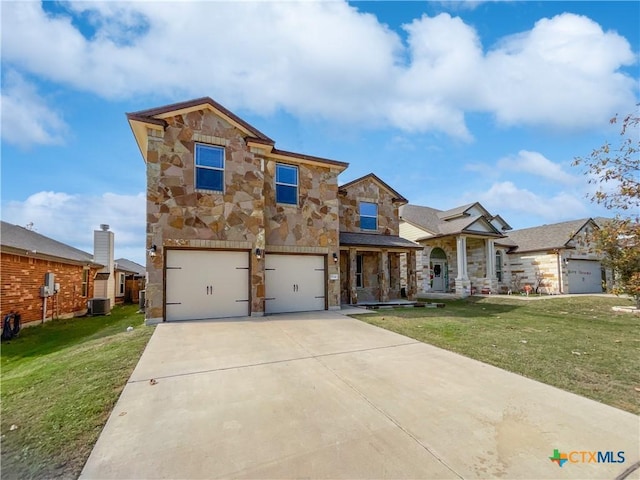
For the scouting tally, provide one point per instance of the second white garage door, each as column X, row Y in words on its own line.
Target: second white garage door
column 584, row 276
column 204, row 284
column 294, row 283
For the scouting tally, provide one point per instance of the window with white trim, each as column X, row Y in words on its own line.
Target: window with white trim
column 286, row 184
column 85, row 282
column 209, row 161
column 121, row 282
column 368, row 216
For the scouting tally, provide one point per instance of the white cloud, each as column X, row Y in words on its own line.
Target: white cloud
column 27, row 119
column 328, row 60
column 534, row 163
column 71, row 219
column 509, row 201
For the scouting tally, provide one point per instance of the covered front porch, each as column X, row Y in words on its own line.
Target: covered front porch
column 370, row 268
column 463, row 265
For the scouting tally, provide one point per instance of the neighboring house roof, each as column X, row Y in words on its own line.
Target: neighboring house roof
column 396, row 196
column 129, row 266
column 547, row 237
column 22, row 241
column 438, row 223
column 375, row 240
column 423, row 217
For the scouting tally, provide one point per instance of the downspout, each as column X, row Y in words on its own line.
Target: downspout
column 559, row 272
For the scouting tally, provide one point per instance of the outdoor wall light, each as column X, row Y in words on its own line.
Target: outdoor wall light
column 258, row 253
column 152, row 250
column 335, row 257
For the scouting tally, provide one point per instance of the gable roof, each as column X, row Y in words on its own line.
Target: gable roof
column 155, row 119
column 547, row 237
column 125, row 265
column 371, row 176
column 462, row 211
column 22, row 241
column 157, row 115
column 440, row 223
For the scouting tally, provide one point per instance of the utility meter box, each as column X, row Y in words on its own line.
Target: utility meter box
column 49, row 281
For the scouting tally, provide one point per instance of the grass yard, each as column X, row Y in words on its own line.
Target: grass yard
column 60, row 381
column 575, row 343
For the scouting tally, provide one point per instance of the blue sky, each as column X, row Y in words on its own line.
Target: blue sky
column 448, row 102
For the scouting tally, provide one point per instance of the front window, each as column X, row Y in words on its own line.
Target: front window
column 286, row 184
column 121, row 282
column 209, row 167
column 85, row 282
column 499, row 265
column 359, row 282
column 368, row 216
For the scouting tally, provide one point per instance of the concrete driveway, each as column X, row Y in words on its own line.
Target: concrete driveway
column 321, row 395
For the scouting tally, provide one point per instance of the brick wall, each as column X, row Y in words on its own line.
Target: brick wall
column 22, row 278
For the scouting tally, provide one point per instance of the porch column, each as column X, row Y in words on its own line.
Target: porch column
column 461, row 256
column 412, row 286
column 463, row 285
column 383, row 275
column 353, row 294
column 491, row 259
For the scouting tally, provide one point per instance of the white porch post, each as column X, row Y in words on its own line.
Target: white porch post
column 463, row 286
column 491, row 279
column 491, row 259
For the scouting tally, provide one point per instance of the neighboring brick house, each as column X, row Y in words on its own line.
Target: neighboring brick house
column 464, row 248
column 557, row 258
column 25, row 258
column 235, row 226
column 370, row 247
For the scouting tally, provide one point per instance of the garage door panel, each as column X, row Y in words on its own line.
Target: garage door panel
column 294, row 283
column 584, row 276
column 206, row 284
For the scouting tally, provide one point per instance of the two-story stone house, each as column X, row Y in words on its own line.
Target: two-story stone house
column 235, row 226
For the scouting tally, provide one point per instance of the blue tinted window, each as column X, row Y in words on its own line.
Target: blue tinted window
column 209, row 167
column 208, row 179
column 368, row 216
column 286, row 174
column 286, row 184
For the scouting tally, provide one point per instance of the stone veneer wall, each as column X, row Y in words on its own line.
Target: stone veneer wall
column 179, row 215
column 368, row 191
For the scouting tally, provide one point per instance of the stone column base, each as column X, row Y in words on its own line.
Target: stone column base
column 463, row 287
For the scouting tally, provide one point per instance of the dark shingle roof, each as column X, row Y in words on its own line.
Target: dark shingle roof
column 424, row 217
column 21, row 238
column 130, row 266
column 433, row 220
column 374, row 240
column 546, row 237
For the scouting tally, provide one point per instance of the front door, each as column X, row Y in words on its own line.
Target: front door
column 437, row 271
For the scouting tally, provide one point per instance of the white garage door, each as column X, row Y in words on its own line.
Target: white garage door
column 206, row 284
column 294, row 283
column 584, row 276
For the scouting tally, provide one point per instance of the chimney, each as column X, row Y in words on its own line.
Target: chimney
column 103, row 253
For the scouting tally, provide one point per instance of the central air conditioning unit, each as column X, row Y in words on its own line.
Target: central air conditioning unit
column 99, row 306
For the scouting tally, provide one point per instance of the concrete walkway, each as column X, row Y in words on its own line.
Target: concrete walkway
column 321, row 395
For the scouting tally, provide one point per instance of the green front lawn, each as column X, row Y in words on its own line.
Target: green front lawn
column 575, row 343
column 60, row 381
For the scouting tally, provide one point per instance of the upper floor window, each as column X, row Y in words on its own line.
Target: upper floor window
column 209, row 167
column 368, row 216
column 286, row 184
